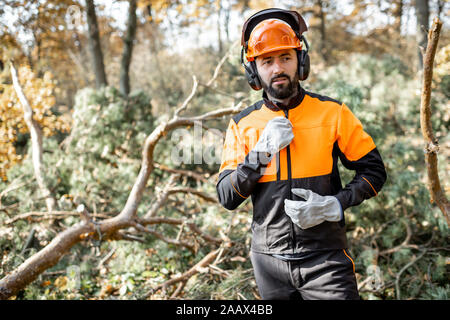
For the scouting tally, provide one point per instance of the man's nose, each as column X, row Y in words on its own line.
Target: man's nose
column 277, row 68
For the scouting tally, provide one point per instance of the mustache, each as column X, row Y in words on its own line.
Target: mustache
column 280, row 76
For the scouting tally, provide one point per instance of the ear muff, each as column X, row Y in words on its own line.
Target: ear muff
column 251, row 73
column 303, row 61
column 303, row 64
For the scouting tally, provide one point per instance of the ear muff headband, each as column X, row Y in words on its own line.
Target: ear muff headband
column 303, row 61
column 293, row 18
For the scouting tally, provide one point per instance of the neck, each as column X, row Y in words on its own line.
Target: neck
column 284, row 101
column 288, row 103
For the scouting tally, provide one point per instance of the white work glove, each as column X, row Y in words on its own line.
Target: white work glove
column 315, row 210
column 276, row 135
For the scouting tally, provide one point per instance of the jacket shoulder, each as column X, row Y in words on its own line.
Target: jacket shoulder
column 322, row 97
column 244, row 113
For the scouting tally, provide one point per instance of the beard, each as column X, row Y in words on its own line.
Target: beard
column 283, row 91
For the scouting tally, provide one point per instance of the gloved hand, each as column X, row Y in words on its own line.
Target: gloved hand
column 276, row 135
column 315, row 210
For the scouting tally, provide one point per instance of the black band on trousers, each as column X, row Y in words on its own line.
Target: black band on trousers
column 324, row 275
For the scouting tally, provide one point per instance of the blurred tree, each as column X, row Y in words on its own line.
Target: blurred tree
column 94, row 45
column 39, row 92
column 128, row 49
column 422, row 15
column 397, row 13
column 49, row 36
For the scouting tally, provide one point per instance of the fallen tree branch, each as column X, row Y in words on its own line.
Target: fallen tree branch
column 179, row 289
column 176, row 242
column 188, row 274
column 404, row 244
column 53, row 215
column 64, row 241
column 397, row 278
column 159, row 220
column 13, row 187
column 188, row 173
column 432, row 146
column 205, row 236
column 106, row 258
column 162, row 196
column 198, row 193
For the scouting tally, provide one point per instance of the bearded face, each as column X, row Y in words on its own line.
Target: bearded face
column 281, row 86
column 278, row 73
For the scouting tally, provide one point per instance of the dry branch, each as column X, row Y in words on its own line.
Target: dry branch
column 404, row 244
column 432, row 146
column 13, row 187
column 198, row 193
column 219, row 65
column 188, row 173
column 52, row 215
column 159, row 220
column 188, row 274
column 397, row 278
column 162, row 196
column 189, row 98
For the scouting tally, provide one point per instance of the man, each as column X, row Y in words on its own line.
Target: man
column 282, row 151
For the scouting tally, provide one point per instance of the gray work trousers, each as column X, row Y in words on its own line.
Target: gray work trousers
column 321, row 275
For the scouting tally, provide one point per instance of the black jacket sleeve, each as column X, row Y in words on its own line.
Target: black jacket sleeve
column 367, row 182
column 234, row 186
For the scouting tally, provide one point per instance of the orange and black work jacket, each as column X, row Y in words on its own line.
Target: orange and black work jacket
column 324, row 130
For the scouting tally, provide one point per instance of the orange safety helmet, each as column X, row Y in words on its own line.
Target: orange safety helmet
column 270, row 30
column 271, row 35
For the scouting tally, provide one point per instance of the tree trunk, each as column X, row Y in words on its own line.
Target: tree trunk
column 36, row 143
column 227, row 23
column 422, row 15
column 397, row 12
column 128, row 49
column 323, row 35
column 94, row 45
column 219, row 32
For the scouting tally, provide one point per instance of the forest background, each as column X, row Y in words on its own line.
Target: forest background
column 108, row 190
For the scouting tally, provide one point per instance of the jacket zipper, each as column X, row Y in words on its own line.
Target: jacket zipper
column 288, row 156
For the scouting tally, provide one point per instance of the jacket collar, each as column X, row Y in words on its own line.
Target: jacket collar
column 293, row 102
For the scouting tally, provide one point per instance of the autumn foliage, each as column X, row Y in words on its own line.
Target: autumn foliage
column 40, row 93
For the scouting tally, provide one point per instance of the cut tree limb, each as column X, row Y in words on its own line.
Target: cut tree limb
column 188, row 274
column 432, row 147
column 187, row 173
column 53, row 215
